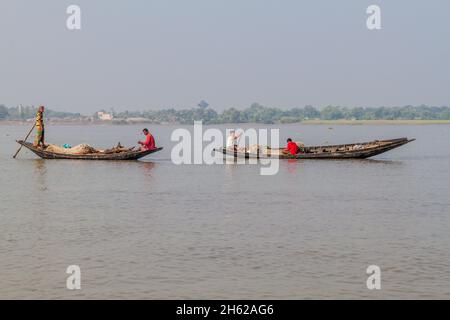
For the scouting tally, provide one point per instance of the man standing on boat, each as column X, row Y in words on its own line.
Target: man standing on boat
column 149, row 143
column 39, row 141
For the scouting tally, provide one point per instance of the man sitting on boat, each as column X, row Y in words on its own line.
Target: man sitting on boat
column 291, row 147
column 149, row 143
column 40, row 131
column 233, row 140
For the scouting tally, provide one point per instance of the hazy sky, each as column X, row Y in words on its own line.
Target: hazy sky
column 152, row 54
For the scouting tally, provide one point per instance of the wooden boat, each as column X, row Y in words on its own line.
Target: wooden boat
column 126, row 155
column 344, row 151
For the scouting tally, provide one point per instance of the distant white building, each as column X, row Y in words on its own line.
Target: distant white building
column 104, row 116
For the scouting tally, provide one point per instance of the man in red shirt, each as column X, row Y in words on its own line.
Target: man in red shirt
column 149, row 143
column 291, row 147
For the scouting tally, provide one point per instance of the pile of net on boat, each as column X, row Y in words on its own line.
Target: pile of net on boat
column 264, row 149
column 85, row 149
column 80, row 149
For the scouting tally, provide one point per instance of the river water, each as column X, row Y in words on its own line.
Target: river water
column 154, row 230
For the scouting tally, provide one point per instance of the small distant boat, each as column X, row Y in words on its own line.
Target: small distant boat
column 343, row 151
column 124, row 155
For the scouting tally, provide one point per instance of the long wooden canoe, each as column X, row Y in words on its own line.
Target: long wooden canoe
column 361, row 150
column 129, row 155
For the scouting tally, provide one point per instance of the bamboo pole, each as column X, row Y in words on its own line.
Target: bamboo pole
column 24, row 140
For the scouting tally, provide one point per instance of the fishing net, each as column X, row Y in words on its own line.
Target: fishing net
column 263, row 149
column 80, row 149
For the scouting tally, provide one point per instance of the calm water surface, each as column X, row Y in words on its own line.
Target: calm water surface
column 151, row 229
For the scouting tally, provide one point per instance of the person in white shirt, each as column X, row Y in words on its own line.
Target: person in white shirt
column 233, row 139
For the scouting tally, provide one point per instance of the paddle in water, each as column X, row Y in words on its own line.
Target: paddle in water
column 24, row 141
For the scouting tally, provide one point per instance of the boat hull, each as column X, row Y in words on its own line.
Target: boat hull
column 132, row 155
column 367, row 150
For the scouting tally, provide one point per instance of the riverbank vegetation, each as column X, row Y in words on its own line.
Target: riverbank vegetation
column 256, row 113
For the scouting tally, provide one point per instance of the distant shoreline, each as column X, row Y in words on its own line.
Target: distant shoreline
column 376, row 122
column 304, row 122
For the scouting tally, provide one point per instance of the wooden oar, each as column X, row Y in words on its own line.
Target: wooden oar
column 25, row 140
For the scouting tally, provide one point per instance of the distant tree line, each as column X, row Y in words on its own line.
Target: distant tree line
column 256, row 113
column 28, row 112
